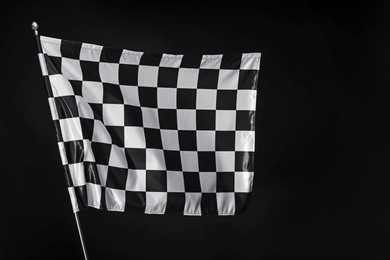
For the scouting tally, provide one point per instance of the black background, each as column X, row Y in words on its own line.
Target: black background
column 321, row 187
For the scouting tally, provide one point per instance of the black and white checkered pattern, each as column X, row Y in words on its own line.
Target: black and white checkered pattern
column 154, row 133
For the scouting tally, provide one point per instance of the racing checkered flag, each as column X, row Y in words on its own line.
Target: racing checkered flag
column 153, row 133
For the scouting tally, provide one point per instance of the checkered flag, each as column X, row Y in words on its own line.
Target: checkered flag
column 153, row 133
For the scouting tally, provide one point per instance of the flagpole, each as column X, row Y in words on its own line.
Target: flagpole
column 34, row 27
column 76, row 215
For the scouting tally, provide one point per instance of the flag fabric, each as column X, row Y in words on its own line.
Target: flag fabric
column 153, row 133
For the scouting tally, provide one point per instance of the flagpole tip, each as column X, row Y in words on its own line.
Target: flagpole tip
column 34, row 26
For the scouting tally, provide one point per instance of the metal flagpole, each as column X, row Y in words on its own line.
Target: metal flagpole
column 76, row 215
column 34, row 26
